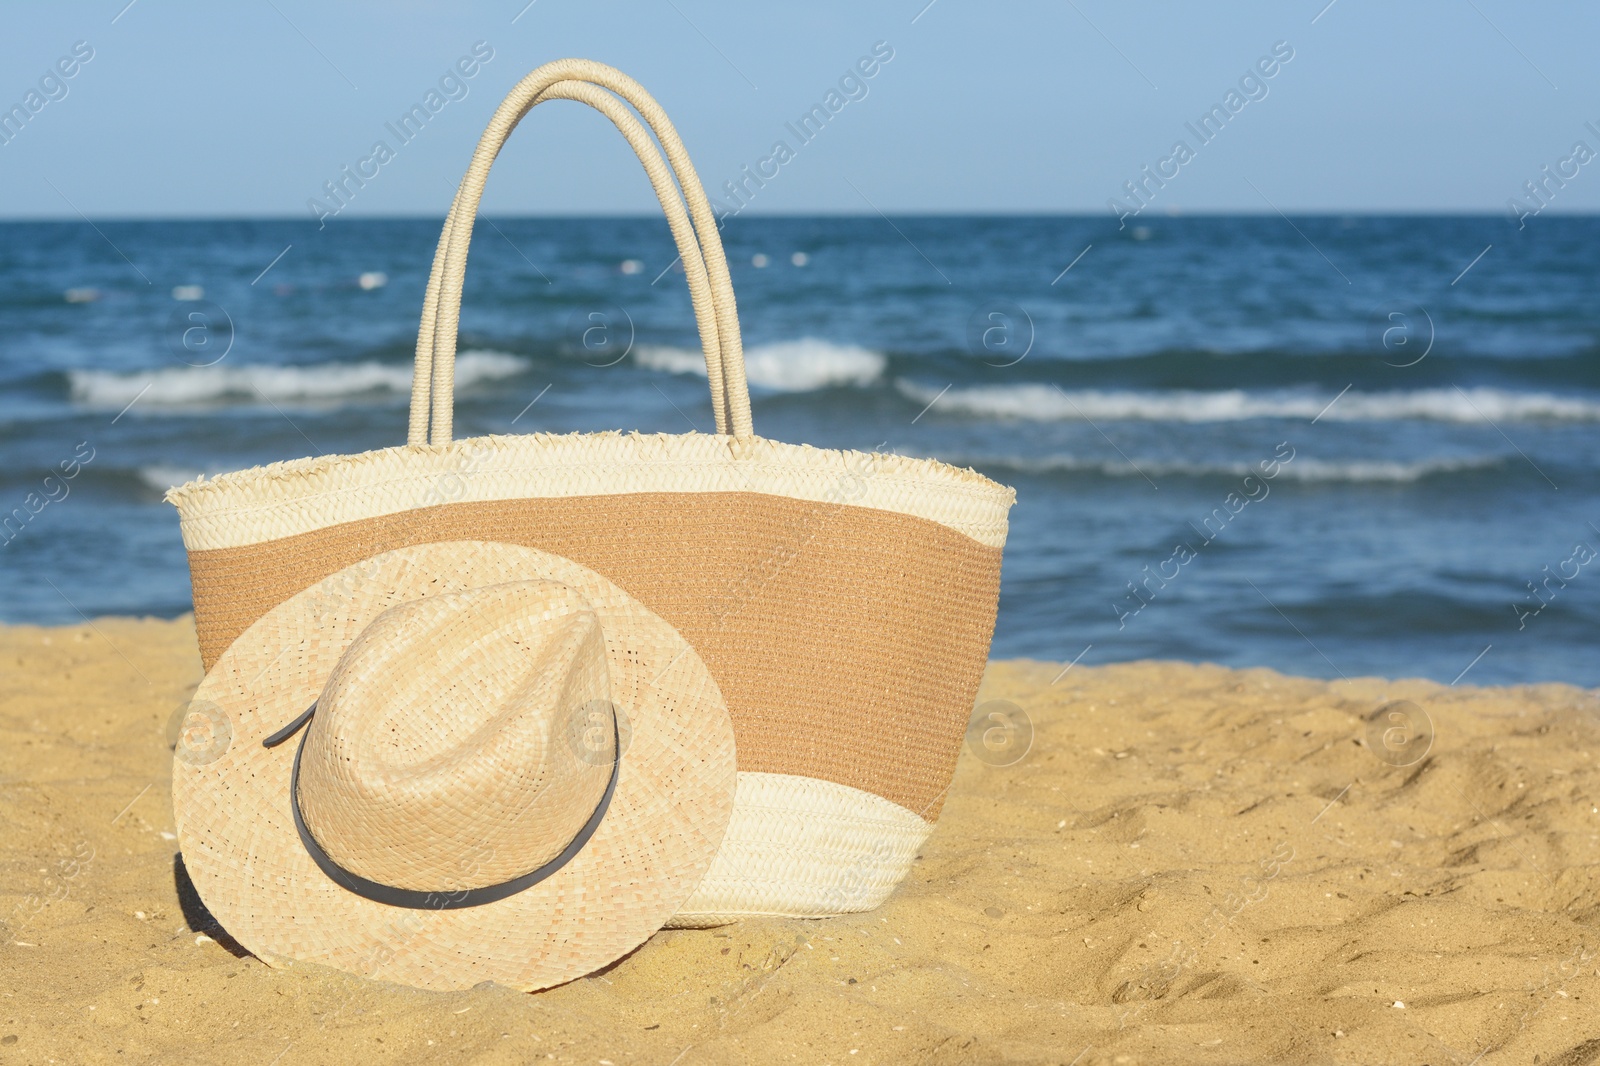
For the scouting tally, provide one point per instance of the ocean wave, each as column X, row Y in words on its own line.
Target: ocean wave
column 789, row 366
column 212, row 386
column 163, row 476
column 1046, row 403
column 1303, row 470
column 144, row 484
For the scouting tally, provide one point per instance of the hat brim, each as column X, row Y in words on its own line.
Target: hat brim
column 231, row 796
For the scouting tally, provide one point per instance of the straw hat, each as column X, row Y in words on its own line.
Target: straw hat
column 507, row 769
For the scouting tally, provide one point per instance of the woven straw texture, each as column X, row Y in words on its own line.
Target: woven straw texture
column 804, row 848
column 674, row 793
column 848, row 641
column 284, row 499
column 843, row 602
column 443, row 732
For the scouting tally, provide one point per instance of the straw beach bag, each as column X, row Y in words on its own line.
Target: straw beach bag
column 843, row 602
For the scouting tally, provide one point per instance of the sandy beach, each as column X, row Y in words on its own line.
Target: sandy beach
column 1189, row 864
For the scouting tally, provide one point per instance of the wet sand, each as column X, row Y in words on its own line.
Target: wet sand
column 1187, row 865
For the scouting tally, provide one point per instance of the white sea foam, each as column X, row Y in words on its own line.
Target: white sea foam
column 788, row 366
column 163, row 476
column 212, row 386
column 1046, row 403
column 670, row 360
column 1306, row 470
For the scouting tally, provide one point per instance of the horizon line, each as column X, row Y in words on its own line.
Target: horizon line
column 1382, row 212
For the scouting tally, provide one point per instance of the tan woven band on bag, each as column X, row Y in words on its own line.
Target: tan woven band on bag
column 858, row 667
column 700, row 246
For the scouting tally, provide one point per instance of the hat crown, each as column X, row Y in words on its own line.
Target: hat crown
column 441, row 756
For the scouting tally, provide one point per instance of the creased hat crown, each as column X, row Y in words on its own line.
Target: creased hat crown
column 440, row 759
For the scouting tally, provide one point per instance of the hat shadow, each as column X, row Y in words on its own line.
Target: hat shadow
column 195, row 914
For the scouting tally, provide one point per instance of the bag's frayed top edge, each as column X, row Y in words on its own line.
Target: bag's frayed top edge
column 286, row 473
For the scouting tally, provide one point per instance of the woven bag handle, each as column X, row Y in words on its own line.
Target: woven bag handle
column 705, row 265
column 662, row 180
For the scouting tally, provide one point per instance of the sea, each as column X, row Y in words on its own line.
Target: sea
column 1333, row 446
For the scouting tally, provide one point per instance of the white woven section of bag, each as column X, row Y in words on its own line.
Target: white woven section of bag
column 804, row 848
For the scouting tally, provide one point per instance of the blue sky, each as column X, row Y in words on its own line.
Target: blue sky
column 192, row 109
